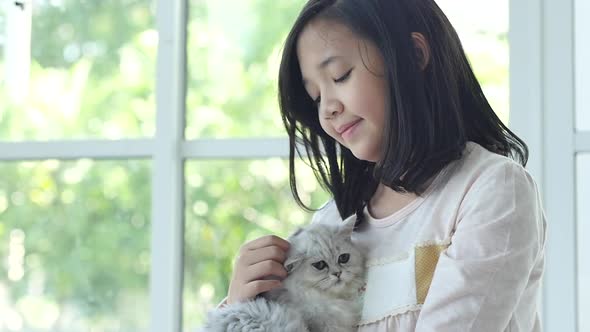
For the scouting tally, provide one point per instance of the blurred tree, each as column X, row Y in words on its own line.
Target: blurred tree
column 92, row 72
column 76, row 243
column 233, row 71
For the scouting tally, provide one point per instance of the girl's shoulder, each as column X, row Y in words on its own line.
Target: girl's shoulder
column 479, row 166
column 481, row 160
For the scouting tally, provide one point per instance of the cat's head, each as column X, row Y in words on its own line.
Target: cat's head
column 323, row 257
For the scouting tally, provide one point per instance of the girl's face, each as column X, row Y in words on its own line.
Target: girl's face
column 345, row 76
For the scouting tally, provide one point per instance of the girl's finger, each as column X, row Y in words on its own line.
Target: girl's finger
column 273, row 253
column 260, row 286
column 263, row 270
column 266, row 241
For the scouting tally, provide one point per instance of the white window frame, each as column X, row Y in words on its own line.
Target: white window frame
column 543, row 53
column 542, row 70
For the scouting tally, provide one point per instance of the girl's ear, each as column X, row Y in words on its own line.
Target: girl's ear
column 422, row 49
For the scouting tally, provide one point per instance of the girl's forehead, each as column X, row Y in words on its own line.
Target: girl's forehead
column 320, row 39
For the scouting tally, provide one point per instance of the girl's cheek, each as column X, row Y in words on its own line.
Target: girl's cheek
column 325, row 127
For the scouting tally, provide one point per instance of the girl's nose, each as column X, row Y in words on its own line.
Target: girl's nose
column 333, row 108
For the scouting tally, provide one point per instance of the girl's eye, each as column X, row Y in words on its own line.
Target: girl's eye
column 343, row 77
column 342, row 259
column 320, row 265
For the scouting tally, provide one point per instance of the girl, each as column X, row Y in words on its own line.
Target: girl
column 397, row 128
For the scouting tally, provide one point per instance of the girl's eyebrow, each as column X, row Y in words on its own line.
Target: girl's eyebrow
column 328, row 60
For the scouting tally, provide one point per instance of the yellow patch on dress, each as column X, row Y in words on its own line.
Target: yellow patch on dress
column 426, row 260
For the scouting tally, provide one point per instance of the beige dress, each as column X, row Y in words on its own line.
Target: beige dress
column 467, row 255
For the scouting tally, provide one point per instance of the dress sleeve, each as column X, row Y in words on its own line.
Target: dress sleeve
column 498, row 238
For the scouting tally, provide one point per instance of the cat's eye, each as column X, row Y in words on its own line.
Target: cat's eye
column 320, row 265
column 342, row 259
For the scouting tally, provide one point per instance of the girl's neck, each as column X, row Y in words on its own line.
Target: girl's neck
column 386, row 202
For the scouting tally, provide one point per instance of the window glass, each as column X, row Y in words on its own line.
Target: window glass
column 90, row 67
column 74, row 246
column 234, row 55
column 232, row 79
column 483, row 28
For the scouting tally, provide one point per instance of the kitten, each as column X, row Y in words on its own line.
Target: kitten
column 320, row 293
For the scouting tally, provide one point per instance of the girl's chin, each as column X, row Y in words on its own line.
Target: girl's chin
column 360, row 152
column 363, row 155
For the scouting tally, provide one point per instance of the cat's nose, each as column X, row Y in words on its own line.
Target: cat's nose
column 337, row 274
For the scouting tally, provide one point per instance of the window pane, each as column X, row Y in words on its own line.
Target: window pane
column 229, row 203
column 582, row 72
column 86, row 79
column 482, row 26
column 234, row 54
column 234, row 51
column 583, row 229
column 2, row 40
column 74, row 246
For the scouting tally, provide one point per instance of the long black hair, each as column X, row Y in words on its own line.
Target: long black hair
column 434, row 110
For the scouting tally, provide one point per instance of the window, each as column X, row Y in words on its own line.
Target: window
column 75, row 221
column 484, row 35
column 75, row 245
column 133, row 170
column 232, row 73
column 86, row 80
column 582, row 125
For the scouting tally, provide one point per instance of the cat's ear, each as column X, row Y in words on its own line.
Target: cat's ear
column 347, row 226
column 297, row 232
column 292, row 263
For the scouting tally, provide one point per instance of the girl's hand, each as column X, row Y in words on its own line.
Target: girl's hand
column 258, row 262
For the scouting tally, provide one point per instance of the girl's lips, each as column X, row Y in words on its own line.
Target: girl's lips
column 347, row 126
column 348, row 129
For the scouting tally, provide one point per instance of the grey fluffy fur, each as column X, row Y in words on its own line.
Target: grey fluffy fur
column 311, row 299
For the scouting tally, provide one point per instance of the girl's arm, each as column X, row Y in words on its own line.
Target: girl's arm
column 496, row 252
